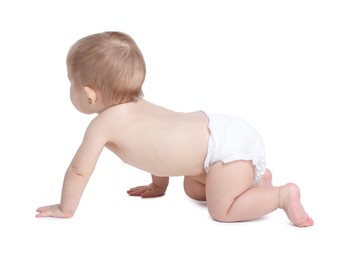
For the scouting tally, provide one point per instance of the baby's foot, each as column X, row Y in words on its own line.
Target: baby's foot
column 266, row 180
column 289, row 198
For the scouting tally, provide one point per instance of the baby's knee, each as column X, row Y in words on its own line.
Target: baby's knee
column 218, row 215
column 189, row 187
column 194, row 189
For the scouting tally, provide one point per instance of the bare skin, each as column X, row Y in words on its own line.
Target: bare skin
column 166, row 143
column 286, row 197
column 289, row 200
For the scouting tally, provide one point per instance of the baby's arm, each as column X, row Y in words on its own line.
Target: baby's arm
column 155, row 189
column 78, row 174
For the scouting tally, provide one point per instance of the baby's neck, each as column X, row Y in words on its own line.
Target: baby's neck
column 139, row 101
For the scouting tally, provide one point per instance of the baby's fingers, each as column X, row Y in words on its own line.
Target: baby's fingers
column 46, row 211
column 52, row 211
column 137, row 191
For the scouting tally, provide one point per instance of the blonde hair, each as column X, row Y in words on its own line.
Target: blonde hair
column 110, row 62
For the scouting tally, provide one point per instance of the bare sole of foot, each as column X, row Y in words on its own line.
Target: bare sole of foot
column 290, row 195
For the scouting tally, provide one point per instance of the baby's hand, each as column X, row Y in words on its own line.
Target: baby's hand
column 147, row 191
column 52, row 211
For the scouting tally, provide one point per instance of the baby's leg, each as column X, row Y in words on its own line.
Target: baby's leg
column 265, row 180
column 232, row 196
column 194, row 187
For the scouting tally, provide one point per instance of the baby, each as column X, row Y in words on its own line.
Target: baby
column 222, row 158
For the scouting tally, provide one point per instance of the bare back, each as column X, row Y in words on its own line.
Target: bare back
column 157, row 140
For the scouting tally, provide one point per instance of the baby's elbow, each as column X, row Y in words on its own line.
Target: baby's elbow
column 79, row 172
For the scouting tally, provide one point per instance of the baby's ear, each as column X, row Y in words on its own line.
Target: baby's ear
column 91, row 94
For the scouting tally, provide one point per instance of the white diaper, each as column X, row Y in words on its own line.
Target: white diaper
column 234, row 139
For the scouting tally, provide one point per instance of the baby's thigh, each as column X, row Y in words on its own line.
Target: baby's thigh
column 225, row 182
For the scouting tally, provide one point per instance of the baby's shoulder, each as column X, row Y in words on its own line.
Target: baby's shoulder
column 107, row 118
column 104, row 126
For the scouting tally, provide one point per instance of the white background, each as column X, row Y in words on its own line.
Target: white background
column 284, row 66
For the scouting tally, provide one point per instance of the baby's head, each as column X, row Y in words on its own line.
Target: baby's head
column 110, row 63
